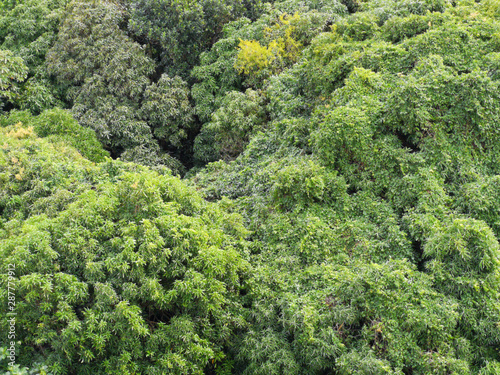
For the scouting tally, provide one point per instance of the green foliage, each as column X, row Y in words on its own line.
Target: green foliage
column 181, row 30
column 361, row 318
column 29, row 29
column 254, row 57
column 372, row 199
column 225, row 137
column 347, row 220
column 303, row 184
column 283, row 49
column 58, row 125
column 108, row 82
column 326, row 6
column 36, row 369
column 135, row 273
column 388, row 9
column 166, row 105
column 12, row 72
column 217, row 72
column 358, row 27
column 105, row 77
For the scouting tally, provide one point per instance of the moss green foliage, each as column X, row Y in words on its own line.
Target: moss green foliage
column 340, row 210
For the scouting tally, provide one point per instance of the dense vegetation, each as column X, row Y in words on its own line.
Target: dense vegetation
column 246, row 187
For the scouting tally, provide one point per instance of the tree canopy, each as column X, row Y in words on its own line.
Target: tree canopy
column 301, row 187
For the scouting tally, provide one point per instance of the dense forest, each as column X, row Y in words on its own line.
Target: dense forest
column 290, row 187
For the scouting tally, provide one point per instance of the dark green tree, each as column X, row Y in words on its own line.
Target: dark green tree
column 29, row 29
column 107, row 78
column 179, row 31
column 12, row 73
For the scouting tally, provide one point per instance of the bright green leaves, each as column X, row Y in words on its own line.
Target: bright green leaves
column 279, row 35
column 254, row 57
column 186, row 352
column 282, row 50
column 464, row 247
column 479, row 199
column 58, row 125
column 464, row 258
column 45, row 185
column 136, row 272
column 305, row 183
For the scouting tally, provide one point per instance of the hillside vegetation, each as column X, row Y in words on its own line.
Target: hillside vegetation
column 299, row 187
